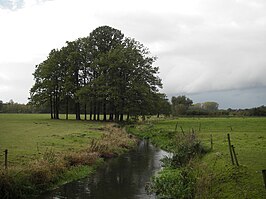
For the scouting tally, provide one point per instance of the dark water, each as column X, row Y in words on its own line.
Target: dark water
column 123, row 177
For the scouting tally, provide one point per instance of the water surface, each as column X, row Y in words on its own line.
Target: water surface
column 124, row 177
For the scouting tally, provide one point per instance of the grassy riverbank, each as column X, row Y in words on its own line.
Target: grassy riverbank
column 216, row 177
column 44, row 153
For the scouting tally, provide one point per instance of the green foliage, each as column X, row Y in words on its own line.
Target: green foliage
column 106, row 72
column 1, row 106
column 180, row 105
column 173, row 183
column 186, row 148
column 210, row 106
column 13, row 107
column 177, row 180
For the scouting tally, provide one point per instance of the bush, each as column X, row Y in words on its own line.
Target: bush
column 186, row 148
column 173, row 183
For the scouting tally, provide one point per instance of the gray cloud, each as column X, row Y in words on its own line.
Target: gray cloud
column 238, row 98
column 203, row 46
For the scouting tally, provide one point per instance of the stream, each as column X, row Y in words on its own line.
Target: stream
column 123, row 177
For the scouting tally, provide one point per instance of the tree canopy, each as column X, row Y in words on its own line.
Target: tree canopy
column 104, row 73
column 180, row 105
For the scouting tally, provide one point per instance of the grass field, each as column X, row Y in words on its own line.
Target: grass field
column 45, row 153
column 29, row 135
column 248, row 135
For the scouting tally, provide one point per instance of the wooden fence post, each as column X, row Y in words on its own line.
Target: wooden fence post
column 233, row 149
column 230, row 149
column 264, row 177
column 6, row 152
column 182, row 130
column 211, row 143
column 176, row 126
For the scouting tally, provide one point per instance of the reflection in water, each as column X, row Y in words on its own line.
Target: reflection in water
column 123, row 177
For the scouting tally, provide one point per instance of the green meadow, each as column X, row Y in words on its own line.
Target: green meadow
column 217, row 177
column 26, row 136
column 45, row 153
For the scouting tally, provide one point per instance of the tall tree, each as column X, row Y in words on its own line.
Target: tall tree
column 101, row 41
column 180, row 105
column 48, row 87
column 210, row 106
column 1, row 106
column 104, row 71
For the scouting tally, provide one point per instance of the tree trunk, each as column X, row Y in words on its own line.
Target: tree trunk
column 121, row 117
column 94, row 111
column 127, row 116
column 122, row 110
column 51, row 107
column 116, row 116
column 77, row 111
column 111, row 117
column 98, row 111
column 67, row 108
column 54, row 108
column 57, row 106
column 85, row 112
column 91, row 111
column 104, row 111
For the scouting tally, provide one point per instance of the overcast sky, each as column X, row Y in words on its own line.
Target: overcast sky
column 208, row 50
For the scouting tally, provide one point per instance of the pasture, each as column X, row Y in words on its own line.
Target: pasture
column 45, row 153
column 217, row 177
column 26, row 136
column 29, row 136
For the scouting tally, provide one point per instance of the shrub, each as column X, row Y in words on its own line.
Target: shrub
column 173, row 183
column 186, row 148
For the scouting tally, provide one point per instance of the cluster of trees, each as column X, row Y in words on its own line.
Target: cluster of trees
column 182, row 105
column 102, row 74
column 257, row 111
column 13, row 107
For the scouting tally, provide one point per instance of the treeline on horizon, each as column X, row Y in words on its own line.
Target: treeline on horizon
column 193, row 110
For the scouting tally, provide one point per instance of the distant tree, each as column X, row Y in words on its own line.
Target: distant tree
column 11, row 102
column 180, row 105
column 197, row 106
column 1, row 106
column 258, row 111
column 210, row 106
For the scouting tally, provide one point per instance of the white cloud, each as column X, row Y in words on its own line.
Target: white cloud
column 202, row 45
